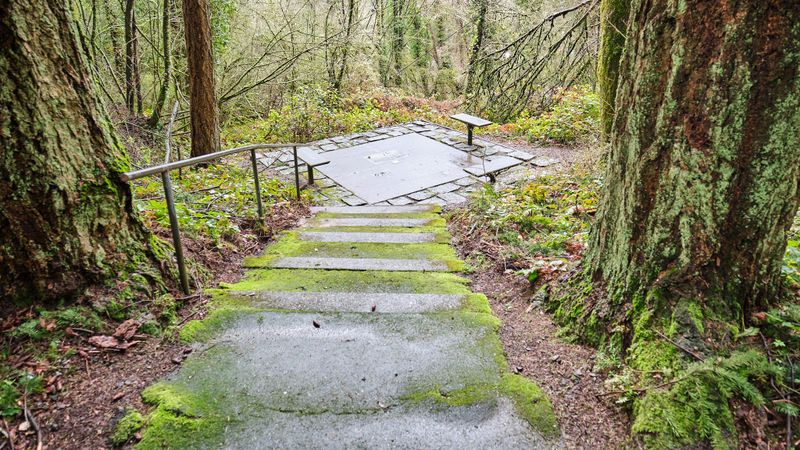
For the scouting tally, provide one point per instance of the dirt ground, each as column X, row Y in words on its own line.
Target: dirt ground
column 563, row 370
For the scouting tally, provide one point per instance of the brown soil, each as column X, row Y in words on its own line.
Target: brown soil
column 87, row 393
column 565, row 371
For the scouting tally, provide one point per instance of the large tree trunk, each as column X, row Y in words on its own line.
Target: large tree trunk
column 613, row 20
column 202, row 97
column 702, row 178
column 67, row 220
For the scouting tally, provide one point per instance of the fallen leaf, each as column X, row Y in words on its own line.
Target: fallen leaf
column 316, row 324
column 374, row 307
column 117, row 396
column 177, row 359
column 24, row 426
column 102, row 341
column 127, row 329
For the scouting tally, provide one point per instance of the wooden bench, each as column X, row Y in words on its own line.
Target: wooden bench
column 471, row 122
column 312, row 159
column 492, row 168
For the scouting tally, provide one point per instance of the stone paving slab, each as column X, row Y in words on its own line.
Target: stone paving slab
column 386, row 303
column 404, row 265
column 370, row 222
column 388, row 238
column 370, row 209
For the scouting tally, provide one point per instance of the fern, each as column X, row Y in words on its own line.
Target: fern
column 694, row 407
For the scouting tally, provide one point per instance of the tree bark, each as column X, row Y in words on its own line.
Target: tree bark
column 133, row 80
column 202, row 97
column 67, row 220
column 613, row 20
column 482, row 7
column 155, row 117
column 702, row 178
column 398, row 41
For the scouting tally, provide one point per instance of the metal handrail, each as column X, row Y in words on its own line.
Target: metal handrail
column 164, row 170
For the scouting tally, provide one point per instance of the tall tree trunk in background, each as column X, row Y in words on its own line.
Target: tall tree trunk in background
column 481, row 9
column 350, row 17
column 702, row 179
column 202, row 97
column 613, row 20
column 398, row 41
column 113, row 32
column 155, row 117
column 67, row 220
column 133, row 80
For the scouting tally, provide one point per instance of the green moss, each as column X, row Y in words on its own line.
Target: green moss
column 223, row 310
column 441, row 235
column 531, row 403
column 459, row 397
column 182, row 419
column 127, row 426
column 290, row 245
column 477, row 303
column 299, row 280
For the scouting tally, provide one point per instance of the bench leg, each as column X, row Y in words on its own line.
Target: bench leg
column 310, row 175
column 469, row 135
column 492, row 177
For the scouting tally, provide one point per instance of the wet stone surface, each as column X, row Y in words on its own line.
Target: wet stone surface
column 383, row 354
column 404, row 164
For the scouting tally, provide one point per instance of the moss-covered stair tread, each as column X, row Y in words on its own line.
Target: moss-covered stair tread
column 320, row 357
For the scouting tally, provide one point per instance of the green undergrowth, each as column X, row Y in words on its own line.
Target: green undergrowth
column 212, row 201
column 685, row 367
column 573, row 118
column 546, row 218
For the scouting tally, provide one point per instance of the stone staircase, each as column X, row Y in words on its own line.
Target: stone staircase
column 353, row 331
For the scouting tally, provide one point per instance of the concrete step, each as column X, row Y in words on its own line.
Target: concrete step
column 384, row 303
column 387, row 238
column 373, row 209
column 368, row 222
column 405, row 265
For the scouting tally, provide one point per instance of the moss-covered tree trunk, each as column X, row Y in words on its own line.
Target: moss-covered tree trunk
column 66, row 218
column 702, row 178
column 613, row 20
column 203, row 106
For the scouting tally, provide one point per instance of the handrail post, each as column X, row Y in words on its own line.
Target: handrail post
column 258, row 185
column 296, row 173
column 176, row 234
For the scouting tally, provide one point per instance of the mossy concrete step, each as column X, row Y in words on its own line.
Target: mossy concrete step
column 311, row 280
column 380, row 303
column 487, row 425
column 269, row 377
column 370, row 222
column 385, row 264
column 377, row 237
column 374, row 209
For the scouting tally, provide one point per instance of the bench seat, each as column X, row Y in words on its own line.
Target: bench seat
column 491, row 168
column 312, row 159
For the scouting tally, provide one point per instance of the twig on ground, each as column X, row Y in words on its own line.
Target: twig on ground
column 7, row 436
column 695, row 355
column 188, row 297
column 29, row 417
